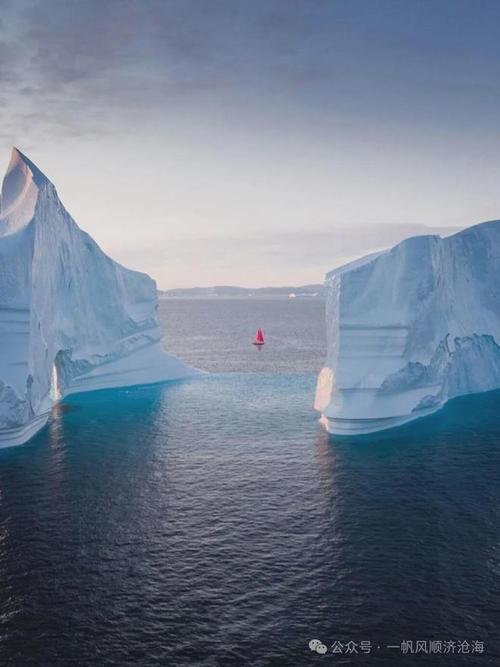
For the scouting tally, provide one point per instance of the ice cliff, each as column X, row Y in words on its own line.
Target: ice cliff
column 71, row 319
column 410, row 328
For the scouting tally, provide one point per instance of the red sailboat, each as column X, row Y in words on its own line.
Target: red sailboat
column 259, row 338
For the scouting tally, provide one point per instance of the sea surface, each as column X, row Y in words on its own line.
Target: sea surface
column 212, row 522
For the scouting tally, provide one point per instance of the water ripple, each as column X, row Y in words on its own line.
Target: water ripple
column 213, row 523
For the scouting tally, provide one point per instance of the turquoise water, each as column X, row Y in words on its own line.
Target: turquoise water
column 212, row 522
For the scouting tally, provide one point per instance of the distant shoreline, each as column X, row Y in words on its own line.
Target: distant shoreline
column 232, row 292
column 271, row 297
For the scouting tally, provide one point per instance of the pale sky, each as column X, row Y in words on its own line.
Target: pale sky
column 255, row 142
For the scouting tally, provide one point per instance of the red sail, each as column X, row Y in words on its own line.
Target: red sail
column 260, row 336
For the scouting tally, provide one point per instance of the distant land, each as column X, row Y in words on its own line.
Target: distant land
column 228, row 291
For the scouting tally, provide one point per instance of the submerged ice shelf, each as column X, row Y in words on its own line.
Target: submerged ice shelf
column 410, row 328
column 71, row 319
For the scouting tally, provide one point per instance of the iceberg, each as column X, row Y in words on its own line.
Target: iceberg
column 71, row 319
column 410, row 328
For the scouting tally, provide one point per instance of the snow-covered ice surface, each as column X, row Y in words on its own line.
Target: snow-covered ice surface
column 410, row 328
column 71, row 319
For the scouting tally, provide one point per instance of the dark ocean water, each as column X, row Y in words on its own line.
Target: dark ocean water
column 212, row 522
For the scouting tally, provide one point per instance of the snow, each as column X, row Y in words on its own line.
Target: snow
column 71, row 319
column 410, row 328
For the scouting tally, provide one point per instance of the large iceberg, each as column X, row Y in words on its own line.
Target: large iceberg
column 410, row 328
column 71, row 319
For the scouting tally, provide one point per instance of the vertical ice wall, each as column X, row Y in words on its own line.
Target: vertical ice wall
column 410, row 328
column 71, row 319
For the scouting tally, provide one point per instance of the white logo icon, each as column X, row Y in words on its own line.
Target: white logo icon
column 316, row 645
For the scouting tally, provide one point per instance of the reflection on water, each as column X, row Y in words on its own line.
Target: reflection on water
column 214, row 522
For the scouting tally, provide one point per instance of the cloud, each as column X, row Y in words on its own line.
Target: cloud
column 110, row 58
column 295, row 257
